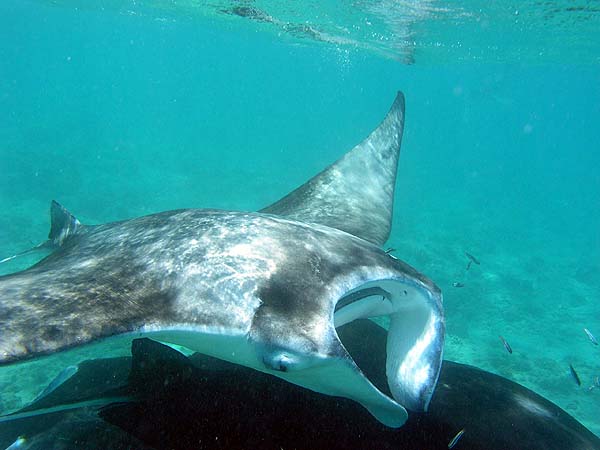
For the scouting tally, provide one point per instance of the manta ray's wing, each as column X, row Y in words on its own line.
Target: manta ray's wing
column 259, row 290
column 356, row 193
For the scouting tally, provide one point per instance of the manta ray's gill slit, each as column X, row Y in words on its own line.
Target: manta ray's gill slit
column 355, row 296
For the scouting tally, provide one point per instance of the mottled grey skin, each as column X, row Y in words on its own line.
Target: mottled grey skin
column 190, row 267
column 259, row 289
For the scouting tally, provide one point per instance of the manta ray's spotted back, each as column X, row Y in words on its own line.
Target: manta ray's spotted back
column 266, row 290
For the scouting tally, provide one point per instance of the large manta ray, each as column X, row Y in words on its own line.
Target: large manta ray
column 265, row 289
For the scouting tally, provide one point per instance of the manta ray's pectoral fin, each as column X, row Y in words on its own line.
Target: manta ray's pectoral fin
column 356, row 193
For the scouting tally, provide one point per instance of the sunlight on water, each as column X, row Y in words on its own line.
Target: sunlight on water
column 431, row 31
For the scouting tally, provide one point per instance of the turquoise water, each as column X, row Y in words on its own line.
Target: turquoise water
column 118, row 111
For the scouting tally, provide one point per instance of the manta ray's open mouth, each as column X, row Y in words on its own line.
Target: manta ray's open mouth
column 365, row 341
column 412, row 352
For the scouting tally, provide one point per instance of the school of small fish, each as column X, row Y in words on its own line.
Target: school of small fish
column 595, row 384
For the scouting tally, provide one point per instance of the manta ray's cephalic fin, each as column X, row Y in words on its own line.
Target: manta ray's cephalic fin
column 356, row 193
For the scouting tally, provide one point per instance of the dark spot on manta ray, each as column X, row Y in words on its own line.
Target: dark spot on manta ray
column 282, row 285
column 52, row 333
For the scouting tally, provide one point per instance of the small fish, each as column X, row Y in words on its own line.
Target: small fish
column 469, row 264
column 506, row 344
column 456, row 438
column 590, row 336
column 458, row 284
column 472, row 258
column 575, row 376
column 389, row 252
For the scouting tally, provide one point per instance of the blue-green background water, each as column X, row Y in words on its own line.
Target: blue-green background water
column 118, row 115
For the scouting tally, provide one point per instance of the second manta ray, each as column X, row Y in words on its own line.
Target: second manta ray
column 262, row 289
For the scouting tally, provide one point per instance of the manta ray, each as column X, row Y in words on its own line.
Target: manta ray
column 266, row 290
column 158, row 398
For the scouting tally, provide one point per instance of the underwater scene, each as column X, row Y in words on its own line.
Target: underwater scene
column 112, row 111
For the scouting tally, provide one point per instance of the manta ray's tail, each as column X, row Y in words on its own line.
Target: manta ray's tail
column 63, row 224
column 39, row 247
